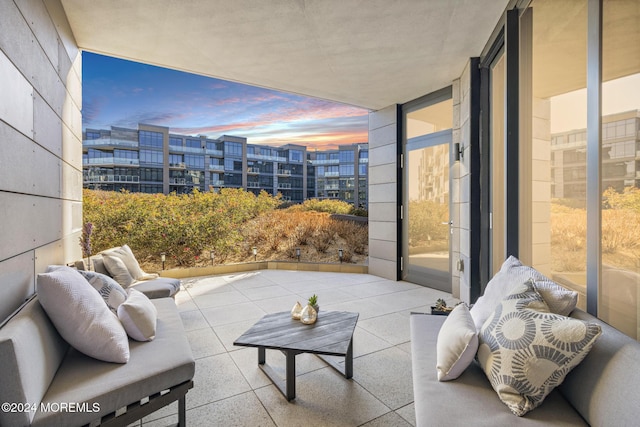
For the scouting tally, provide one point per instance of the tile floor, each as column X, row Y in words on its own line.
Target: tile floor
column 230, row 389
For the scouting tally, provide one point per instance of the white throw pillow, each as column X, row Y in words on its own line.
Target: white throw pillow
column 526, row 351
column 457, row 344
column 118, row 270
column 138, row 316
column 81, row 317
column 512, row 273
column 126, row 255
column 111, row 292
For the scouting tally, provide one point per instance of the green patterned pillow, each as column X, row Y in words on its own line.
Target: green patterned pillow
column 526, row 351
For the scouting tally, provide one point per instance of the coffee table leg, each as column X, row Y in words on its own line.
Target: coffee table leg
column 291, row 375
column 261, row 356
column 348, row 361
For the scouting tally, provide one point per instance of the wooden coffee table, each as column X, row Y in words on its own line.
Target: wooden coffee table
column 331, row 335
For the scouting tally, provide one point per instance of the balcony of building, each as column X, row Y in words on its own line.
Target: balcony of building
column 91, row 179
column 253, row 171
column 283, row 172
column 109, row 143
column 217, row 168
column 110, row 161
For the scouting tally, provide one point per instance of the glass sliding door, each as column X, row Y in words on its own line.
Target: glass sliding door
column 620, row 168
column 427, row 226
column 553, row 160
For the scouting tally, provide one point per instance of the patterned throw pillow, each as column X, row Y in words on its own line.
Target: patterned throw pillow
column 526, row 351
column 112, row 293
column 513, row 273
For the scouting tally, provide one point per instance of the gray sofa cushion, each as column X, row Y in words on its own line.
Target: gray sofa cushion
column 30, row 350
column 161, row 287
column 469, row 400
column 153, row 366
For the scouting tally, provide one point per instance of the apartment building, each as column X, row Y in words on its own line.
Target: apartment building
column 341, row 174
column 620, row 157
column 151, row 159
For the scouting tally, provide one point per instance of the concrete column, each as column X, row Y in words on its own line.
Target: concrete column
column 383, row 218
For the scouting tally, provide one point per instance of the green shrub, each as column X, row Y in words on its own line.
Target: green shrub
column 327, row 205
column 182, row 226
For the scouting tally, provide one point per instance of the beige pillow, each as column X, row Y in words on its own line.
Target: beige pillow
column 513, row 273
column 126, row 255
column 526, row 351
column 138, row 316
column 457, row 344
column 81, row 317
column 118, row 270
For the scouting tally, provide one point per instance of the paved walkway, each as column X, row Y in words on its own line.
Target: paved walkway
column 230, row 389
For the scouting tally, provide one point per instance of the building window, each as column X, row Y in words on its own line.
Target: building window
column 232, row 148
column 346, row 170
column 92, row 135
column 150, row 156
column 346, row 156
column 295, row 156
column 194, row 143
column 175, row 159
column 194, row 161
column 175, row 142
column 150, row 139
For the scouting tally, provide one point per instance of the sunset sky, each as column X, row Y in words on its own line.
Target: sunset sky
column 123, row 93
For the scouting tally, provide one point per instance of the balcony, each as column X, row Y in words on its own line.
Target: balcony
column 270, row 158
column 325, row 162
column 180, row 165
column 218, row 168
column 284, row 172
column 253, row 171
column 216, row 153
column 253, row 185
column 284, row 186
column 110, row 161
column 90, row 179
column 109, row 142
column 176, row 149
column 177, row 181
column 332, row 174
column 218, row 183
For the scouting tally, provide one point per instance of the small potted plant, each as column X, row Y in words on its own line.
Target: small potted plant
column 313, row 302
column 441, row 308
column 309, row 314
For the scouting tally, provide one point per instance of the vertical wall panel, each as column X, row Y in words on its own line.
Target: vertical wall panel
column 17, row 282
column 13, row 86
column 382, row 193
column 40, row 145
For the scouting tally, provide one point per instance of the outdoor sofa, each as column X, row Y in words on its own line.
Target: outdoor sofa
column 601, row 390
column 151, row 285
column 111, row 368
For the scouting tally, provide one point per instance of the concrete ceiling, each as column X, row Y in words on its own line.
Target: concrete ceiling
column 367, row 53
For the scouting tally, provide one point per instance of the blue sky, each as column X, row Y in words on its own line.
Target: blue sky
column 124, row 93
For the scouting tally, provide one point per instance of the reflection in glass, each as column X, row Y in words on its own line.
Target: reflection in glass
column 553, row 149
column 620, row 286
column 428, row 132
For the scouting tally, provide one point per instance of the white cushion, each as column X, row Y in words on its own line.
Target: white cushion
column 512, row 273
column 457, row 344
column 125, row 253
column 118, row 270
column 111, row 292
column 81, row 317
column 526, row 351
column 138, row 316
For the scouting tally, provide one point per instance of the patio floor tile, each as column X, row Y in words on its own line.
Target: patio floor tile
column 229, row 387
